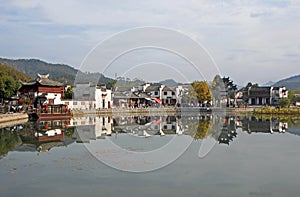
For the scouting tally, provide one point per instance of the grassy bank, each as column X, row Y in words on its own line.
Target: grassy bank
column 277, row 111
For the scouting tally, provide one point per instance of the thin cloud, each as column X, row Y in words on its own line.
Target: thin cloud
column 258, row 31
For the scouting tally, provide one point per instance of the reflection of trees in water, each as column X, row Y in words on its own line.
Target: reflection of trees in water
column 8, row 140
column 34, row 134
column 202, row 130
column 293, row 121
column 199, row 127
column 69, row 132
column 222, row 128
column 48, row 134
column 260, row 125
column 227, row 129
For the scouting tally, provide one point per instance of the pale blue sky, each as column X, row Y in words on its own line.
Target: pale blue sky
column 257, row 40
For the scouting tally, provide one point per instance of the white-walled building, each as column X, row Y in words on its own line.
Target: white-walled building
column 148, row 94
column 168, row 96
column 91, row 128
column 260, row 96
column 42, row 90
column 87, row 96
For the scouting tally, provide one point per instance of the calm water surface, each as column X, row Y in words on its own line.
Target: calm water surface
column 249, row 157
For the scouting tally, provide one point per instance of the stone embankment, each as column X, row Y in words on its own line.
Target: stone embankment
column 12, row 119
column 159, row 111
column 127, row 111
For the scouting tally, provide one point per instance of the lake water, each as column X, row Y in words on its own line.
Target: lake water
column 219, row 155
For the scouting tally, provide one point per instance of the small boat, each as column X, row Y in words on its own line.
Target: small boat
column 49, row 112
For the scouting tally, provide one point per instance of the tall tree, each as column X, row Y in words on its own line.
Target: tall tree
column 9, row 81
column 202, row 90
column 68, row 93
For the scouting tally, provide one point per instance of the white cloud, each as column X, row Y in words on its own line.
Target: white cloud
column 268, row 27
column 25, row 4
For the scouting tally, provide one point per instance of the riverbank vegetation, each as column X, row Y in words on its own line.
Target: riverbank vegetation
column 286, row 106
column 8, row 140
column 277, row 111
column 10, row 81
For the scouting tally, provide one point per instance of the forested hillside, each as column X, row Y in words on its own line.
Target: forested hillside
column 10, row 81
column 292, row 83
column 31, row 67
column 58, row 72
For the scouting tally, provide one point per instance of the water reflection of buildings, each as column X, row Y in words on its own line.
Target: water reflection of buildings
column 91, row 128
column 43, row 135
column 250, row 125
column 255, row 125
column 228, row 130
column 148, row 125
column 222, row 128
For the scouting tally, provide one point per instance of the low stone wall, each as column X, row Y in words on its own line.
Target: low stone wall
column 158, row 111
column 126, row 111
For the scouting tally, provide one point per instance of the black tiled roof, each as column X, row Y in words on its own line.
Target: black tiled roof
column 152, row 88
column 44, row 80
column 260, row 92
column 167, row 89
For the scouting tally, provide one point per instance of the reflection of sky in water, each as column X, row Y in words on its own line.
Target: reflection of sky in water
column 140, row 144
column 256, row 164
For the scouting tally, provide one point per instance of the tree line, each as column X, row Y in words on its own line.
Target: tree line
column 202, row 91
column 10, row 81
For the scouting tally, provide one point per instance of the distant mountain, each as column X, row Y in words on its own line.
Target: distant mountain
column 59, row 72
column 270, row 83
column 292, row 83
column 94, row 78
column 169, row 82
